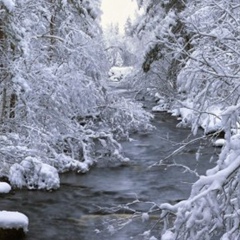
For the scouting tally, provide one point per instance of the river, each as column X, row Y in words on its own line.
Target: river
column 93, row 206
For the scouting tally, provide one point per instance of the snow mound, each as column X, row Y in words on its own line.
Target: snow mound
column 16, row 220
column 209, row 120
column 219, row 142
column 118, row 73
column 168, row 235
column 9, row 4
column 34, row 174
column 145, row 217
column 4, row 187
column 235, row 142
column 163, row 105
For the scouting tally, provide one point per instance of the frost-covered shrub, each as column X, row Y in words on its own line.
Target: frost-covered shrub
column 126, row 117
column 34, row 174
column 12, row 148
column 97, row 146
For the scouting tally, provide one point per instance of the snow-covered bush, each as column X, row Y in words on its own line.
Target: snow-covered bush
column 34, row 174
column 126, row 117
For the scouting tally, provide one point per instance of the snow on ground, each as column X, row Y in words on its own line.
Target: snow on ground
column 13, row 220
column 4, row 187
column 210, row 119
column 162, row 105
column 168, row 235
column 116, row 74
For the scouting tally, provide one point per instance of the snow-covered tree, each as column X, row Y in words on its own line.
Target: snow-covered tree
column 212, row 70
column 210, row 88
column 55, row 109
column 119, row 47
column 164, row 41
column 193, row 51
column 8, row 49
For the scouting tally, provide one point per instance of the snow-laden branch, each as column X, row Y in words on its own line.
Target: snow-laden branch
column 214, row 197
column 180, row 149
column 51, row 37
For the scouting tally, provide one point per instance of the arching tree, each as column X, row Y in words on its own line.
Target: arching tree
column 119, row 47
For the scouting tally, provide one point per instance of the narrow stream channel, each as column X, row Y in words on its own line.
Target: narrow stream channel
column 74, row 211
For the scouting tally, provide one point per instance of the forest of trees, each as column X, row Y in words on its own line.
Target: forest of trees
column 55, row 109
column 56, row 113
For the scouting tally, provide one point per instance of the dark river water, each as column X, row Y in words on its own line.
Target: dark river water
column 97, row 205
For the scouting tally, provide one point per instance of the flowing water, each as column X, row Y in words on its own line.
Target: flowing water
column 93, row 206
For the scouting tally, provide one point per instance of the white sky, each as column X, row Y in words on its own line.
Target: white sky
column 117, row 11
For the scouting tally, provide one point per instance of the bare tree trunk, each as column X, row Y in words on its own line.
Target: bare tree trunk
column 8, row 100
column 4, row 105
column 3, row 72
column 52, row 29
column 13, row 103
